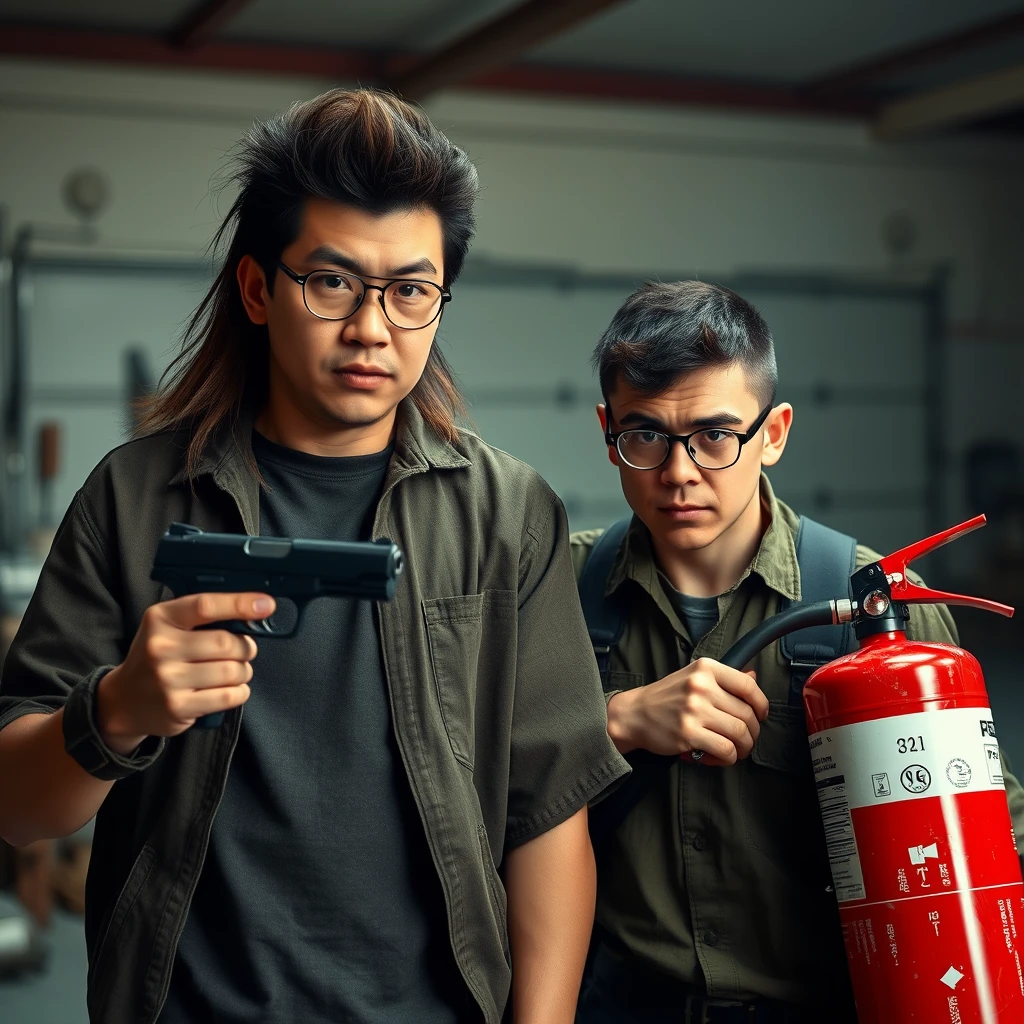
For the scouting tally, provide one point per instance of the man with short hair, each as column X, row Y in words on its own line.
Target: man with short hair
column 331, row 854
column 715, row 900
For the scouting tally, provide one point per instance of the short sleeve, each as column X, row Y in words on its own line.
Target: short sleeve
column 72, row 627
column 561, row 757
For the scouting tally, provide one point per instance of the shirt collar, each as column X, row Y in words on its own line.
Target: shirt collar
column 418, row 447
column 775, row 561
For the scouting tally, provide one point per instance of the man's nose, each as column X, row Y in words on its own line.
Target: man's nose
column 368, row 326
column 679, row 468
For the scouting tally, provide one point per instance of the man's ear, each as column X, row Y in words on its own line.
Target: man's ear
column 776, row 433
column 253, row 287
column 602, row 415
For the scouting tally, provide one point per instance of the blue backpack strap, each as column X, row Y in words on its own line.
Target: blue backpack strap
column 827, row 560
column 605, row 621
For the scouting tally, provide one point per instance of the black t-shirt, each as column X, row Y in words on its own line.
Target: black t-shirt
column 318, row 901
column 698, row 614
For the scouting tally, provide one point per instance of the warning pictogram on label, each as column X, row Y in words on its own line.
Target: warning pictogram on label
column 952, row 977
column 915, row 778
column 958, row 771
column 919, row 854
column 994, row 765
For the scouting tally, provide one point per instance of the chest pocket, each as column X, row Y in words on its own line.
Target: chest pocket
column 455, row 628
column 780, row 805
column 623, row 680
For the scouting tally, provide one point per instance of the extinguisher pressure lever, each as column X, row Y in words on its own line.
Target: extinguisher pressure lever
column 903, row 589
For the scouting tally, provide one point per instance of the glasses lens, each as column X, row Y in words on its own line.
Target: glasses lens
column 412, row 303
column 715, row 449
column 643, row 449
column 332, row 296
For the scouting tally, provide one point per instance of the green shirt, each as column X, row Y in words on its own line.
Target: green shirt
column 493, row 691
column 720, row 876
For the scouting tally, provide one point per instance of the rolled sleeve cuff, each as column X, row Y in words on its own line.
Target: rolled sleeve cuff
column 83, row 741
column 590, row 790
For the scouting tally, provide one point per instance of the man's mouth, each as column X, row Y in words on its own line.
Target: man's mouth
column 362, row 375
column 683, row 510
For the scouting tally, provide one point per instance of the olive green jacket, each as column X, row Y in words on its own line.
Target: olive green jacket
column 496, row 700
column 720, row 876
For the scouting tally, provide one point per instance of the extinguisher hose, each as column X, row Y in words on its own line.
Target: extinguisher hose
column 648, row 768
column 800, row 616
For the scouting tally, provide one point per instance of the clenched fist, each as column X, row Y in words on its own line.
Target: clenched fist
column 705, row 706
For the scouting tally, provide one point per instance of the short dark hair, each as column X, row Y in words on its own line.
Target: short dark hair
column 362, row 148
column 664, row 331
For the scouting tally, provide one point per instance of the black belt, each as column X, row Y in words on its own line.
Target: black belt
column 631, row 985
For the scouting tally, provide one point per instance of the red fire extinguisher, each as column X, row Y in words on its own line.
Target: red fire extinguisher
column 906, row 764
column 924, row 860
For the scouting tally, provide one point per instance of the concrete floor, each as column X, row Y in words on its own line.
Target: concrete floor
column 57, row 994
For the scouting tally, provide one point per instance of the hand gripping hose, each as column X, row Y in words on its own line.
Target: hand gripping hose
column 607, row 815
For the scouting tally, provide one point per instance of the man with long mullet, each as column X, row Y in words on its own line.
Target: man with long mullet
column 331, row 852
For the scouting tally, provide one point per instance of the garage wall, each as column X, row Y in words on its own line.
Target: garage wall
column 599, row 188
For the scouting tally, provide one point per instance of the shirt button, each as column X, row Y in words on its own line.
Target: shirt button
column 710, row 938
column 700, row 842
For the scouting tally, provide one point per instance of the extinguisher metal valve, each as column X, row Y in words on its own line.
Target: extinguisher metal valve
column 843, row 610
column 876, row 603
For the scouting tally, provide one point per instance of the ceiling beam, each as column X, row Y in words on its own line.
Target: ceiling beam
column 899, row 61
column 493, row 45
column 678, row 90
column 367, row 67
column 142, row 50
column 969, row 100
column 203, row 22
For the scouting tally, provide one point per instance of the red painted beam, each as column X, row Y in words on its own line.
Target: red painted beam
column 900, row 61
column 495, row 44
column 368, row 68
column 204, row 21
column 680, row 90
column 125, row 48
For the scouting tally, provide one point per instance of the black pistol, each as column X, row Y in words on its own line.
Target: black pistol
column 189, row 561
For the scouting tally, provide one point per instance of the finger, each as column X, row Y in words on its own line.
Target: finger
column 710, row 761
column 213, row 645
column 202, row 675
column 208, row 702
column 200, row 609
column 742, row 685
column 761, row 715
column 717, row 748
column 736, row 708
column 733, row 730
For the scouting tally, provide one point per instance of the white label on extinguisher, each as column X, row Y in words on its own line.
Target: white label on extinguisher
column 843, row 855
column 910, row 757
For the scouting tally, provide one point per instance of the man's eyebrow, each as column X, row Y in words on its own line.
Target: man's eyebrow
column 328, row 254
column 718, row 419
column 641, row 419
